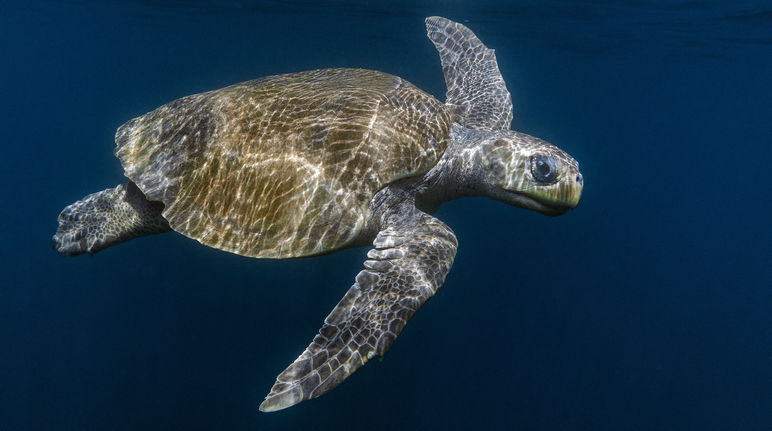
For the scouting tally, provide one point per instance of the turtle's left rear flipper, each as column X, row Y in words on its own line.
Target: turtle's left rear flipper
column 407, row 266
column 107, row 218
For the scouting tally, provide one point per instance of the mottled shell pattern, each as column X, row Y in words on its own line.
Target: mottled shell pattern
column 283, row 166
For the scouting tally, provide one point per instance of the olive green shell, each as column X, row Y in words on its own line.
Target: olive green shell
column 283, row 166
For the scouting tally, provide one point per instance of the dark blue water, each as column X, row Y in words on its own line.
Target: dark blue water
column 646, row 308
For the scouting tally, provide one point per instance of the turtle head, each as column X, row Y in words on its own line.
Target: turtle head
column 527, row 172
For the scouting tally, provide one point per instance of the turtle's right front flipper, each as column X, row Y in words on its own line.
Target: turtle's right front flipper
column 407, row 266
column 476, row 89
column 107, row 218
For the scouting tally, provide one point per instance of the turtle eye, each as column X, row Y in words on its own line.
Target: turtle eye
column 544, row 169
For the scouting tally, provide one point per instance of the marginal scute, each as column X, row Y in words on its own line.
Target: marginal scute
column 283, row 166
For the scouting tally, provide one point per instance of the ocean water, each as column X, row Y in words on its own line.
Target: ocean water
column 646, row 308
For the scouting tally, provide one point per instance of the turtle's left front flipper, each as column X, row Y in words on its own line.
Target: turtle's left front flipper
column 407, row 266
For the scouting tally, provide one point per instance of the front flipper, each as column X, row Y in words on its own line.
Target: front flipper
column 476, row 90
column 407, row 266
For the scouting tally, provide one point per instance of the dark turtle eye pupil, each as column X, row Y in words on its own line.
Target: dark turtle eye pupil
column 544, row 169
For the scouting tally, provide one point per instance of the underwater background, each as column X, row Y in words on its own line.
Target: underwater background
column 646, row 308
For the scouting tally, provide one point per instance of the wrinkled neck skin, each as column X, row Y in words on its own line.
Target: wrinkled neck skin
column 459, row 173
column 455, row 175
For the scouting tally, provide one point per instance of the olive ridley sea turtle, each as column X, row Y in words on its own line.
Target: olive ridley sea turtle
column 308, row 163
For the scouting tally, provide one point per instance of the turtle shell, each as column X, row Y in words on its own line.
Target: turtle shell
column 283, row 166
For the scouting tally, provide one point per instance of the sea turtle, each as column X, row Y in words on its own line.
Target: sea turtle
column 312, row 162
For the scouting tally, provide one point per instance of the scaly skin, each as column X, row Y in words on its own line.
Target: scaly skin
column 106, row 218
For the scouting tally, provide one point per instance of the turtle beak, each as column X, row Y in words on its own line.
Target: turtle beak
column 554, row 200
column 571, row 191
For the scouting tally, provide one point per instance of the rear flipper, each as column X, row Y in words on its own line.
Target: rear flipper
column 107, row 218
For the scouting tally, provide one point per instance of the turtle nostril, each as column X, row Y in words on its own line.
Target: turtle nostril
column 579, row 179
